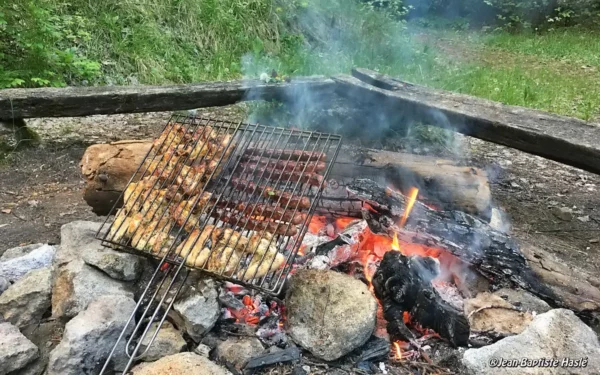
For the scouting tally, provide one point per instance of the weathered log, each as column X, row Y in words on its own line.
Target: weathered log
column 86, row 101
column 107, row 169
column 563, row 139
column 402, row 284
column 492, row 254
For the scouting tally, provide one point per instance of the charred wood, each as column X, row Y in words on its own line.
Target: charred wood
column 287, row 355
column 493, row 254
column 402, row 284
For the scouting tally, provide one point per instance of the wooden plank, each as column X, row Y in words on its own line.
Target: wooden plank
column 85, row 101
column 567, row 140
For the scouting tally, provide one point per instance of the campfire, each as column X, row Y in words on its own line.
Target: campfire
column 233, row 249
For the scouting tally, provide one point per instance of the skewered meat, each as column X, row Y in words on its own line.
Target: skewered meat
column 248, row 223
column 173, row 134
column 119, row 228
column 275, row 174
column 153, row 236
column 269, row 212
column 290, row 166
column 284, row 198
column 260, row 266
column 287, row 154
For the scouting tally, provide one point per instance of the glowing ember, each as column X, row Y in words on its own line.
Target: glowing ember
column 317, row 223
column 342, row 222
column 412, row 197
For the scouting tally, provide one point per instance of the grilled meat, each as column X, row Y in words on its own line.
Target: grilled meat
column 284, row 198
column 260, row 266
column 297, row 155
column 279, row 175
column 174, row 134
column 286, row 165
column 248, row 223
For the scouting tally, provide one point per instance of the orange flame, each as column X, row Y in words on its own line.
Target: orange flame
column 412, row 197
column 395, row 243
column 398, row 350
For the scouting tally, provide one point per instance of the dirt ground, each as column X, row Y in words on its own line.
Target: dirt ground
column 41, row 188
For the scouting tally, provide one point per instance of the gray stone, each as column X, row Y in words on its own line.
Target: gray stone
column 203, row 350
column 13, row 269
column 77, row 284
column 26, row 301
column 237, row 351
column 16, row 351
column 76, row 238
column 91, row 335
column 168, row 342
column 563, row 213
column 329, row 313
column 4, row 284
column 17, row 252
column 556, row 334
column 197, row 309
column 180, row 364
column 523, row 300
column 118, row 265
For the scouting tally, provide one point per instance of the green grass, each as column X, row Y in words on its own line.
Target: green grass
column 179, row 41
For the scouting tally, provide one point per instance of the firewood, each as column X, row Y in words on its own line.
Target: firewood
column 490, row 253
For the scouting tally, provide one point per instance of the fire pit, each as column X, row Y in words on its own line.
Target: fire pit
column 209, row 193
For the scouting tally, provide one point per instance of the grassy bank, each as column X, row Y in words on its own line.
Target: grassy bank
column 165, row 41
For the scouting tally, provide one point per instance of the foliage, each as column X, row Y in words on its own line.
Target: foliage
column 38, row 47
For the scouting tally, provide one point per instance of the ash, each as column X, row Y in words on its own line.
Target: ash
column 449, row 293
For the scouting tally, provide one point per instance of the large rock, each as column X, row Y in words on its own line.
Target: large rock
column 77, row 284
column 237, row 351
column 180, row 364
column 14, row 267
column 17, row 252
column 118, row 265
column 557, row 334
column 490, row 312
column 26, row 301
column 168, row 342
column 16, row 351
column 197, row 309
column 76, row 238
column 90, row 336
column 329, row 313
column 4, row 284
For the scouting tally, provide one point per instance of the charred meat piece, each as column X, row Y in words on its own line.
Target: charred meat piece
column 174, row 134
column 289, row 166
column 275, row 174
column 297, row 155
column 266, row 211
column 261, row 266
column 284, row 198
column 248, row 223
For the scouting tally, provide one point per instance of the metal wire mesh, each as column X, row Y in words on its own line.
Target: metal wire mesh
column 229, row 199
column 232, row 200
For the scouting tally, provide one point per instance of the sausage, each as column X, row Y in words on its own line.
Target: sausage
column 285, row 198
column 290, row 166
column 245, row 223
column 298, row 155
column 271, row 173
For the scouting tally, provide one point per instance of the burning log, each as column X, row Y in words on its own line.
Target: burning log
column 490, row 253
column 403, row 284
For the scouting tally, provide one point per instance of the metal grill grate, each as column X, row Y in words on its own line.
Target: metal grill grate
column 233, row 200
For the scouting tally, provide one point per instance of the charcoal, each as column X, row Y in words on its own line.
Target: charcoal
column 401, row 285
column 287, row 355
column 375, row 348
